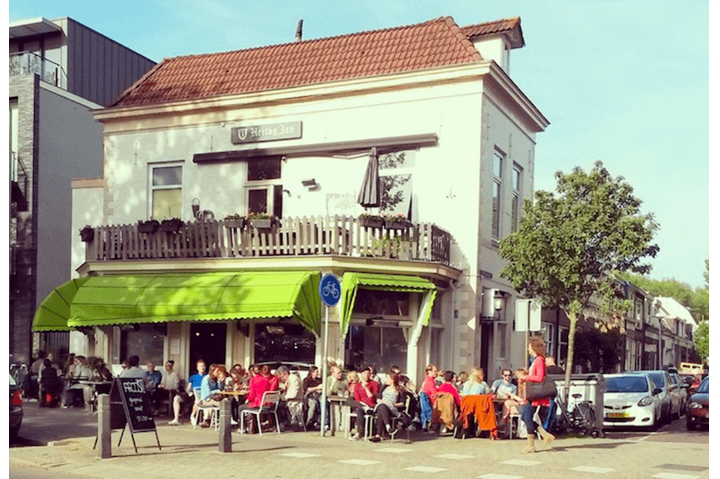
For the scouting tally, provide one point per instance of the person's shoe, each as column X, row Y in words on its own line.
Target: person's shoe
column 530, row 444
column 204, row 424
column 355, row 437
column 375, row 439
column 233, row 422
column 546, row 437
column 174, row 422
column 388, row 429
column 412, row 427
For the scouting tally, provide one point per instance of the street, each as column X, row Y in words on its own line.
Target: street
column 672, row 452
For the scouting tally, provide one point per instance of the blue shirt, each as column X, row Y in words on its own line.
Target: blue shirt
column 196, row 380
column 152, row 379
column 207, row 388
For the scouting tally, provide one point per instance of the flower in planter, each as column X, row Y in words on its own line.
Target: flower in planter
column 234, row 220
column 262, row 220
column 395, row 218
column 87, row 234
column 149, row 226
column 171, row 225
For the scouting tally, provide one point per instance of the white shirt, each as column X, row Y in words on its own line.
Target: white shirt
column 133, row 372
column 170, row 380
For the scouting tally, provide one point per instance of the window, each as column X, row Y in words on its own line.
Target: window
column 293, row 344
column 382, row 347
column 549, row 337
column 388, row 304
column 264, row 186
column 501, row 329
column 166, row 191
column 396, row 182
column 562, row 351
column 497, row 193
column 145, row 341
column 517, row 198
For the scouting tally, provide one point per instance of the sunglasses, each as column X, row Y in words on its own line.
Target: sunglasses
column 507, row 375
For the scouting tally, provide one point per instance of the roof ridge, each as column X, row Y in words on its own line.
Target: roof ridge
column 463, row 39
column 315, row 40
column 141, row 80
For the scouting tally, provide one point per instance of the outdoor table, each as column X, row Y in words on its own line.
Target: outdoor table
column 338, row 409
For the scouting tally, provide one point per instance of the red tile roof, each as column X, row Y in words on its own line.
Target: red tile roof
column 432, row 44
column 489, row 28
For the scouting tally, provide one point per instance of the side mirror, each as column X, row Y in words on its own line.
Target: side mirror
column 656, row 391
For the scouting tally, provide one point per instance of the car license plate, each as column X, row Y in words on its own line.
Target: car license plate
column 617, row 414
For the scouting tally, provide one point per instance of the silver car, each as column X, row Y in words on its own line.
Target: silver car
column 669, row 397
column 631, row 399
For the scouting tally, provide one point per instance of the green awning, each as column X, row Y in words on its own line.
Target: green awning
column 385, row 282
column 131, row 299
column 54, row 311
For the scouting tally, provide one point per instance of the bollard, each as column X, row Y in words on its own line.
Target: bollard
column 225, row 439
column 104, row 437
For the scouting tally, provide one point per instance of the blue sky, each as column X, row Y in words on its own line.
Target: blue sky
column 621, row 81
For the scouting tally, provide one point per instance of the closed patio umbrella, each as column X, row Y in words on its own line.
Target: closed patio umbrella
column 369, row 195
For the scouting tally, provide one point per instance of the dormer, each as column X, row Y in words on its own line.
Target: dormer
column 494, row 40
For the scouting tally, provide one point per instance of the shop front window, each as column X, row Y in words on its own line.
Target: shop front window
column 381, row 347
column 284, row 343
column 145, row 341
column 388, row 304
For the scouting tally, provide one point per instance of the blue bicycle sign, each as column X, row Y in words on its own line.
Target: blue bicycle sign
column 330, row 289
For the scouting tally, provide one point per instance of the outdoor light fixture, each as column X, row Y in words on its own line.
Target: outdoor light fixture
column 309, row 183
column 498, row 300
column 275, row 329
column 195, row 207
column 380, row 321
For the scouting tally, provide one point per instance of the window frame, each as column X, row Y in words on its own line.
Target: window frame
column 267, row 185
column 152, row 188
column 496, row 223
column 517, row 197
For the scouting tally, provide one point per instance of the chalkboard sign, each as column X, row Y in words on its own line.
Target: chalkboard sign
column 136, row 402
column 117, row 411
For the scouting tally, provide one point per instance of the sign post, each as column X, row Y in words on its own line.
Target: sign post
column 330, row 295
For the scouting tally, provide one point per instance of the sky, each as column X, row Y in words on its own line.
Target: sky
column 625, row 82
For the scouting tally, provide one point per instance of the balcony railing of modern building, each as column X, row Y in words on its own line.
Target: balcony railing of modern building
column 328, row 235
column 24, row 63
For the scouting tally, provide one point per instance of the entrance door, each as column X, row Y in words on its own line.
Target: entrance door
column 207, row 342
column 486, row 329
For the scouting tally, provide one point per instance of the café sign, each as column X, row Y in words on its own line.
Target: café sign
column 271, row 132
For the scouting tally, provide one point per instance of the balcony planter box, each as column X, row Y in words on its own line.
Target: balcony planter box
column 262, row 223
column 397, row 225
column 148, row 227
column 171, row 225
column 87, row 234
column 371, row 222
column 239, row 224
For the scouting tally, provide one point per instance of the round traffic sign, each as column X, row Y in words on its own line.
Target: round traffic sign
column 330, row 289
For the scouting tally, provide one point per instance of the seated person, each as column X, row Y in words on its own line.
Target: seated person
column 290, row 408
column 387, row 408
column 210, row 389
column 82, row 371
column 258, row 386
column 476, row 383
column 312, row 385
column 447, row 386
column 503, row 387
column 195, row 381
column 364, row 401
column 514, row 400
column 49, row 381
column 152, row 377
column 336, row 385
column 167, row 385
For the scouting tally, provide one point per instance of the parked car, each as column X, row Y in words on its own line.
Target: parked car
column 631, row 399
column 16, row 410
column 669, row 397
column 682, row 390
column 698, row 410
column 693, row 381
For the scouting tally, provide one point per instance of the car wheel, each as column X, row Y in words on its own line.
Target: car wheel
column 690, row 426
column 14, row 433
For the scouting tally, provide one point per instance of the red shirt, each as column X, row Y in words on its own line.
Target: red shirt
column 430, row 388
column 258, row 386
column 537, row 375
column 362, row 396
column 274, row 383
column 449, row 388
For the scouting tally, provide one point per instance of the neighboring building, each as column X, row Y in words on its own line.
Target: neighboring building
column 678, row 326
column 289, row 130
column 60, row 71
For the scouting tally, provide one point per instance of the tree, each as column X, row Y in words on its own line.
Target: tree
column 570, row 248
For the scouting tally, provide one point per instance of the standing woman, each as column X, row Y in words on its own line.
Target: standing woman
column 536, row 349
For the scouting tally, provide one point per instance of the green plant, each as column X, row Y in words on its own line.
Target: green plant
column 234, row 217
column 260, row 216
column 370, row 216
column 396, row 218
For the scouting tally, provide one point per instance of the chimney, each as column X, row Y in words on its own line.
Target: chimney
column 298, row 31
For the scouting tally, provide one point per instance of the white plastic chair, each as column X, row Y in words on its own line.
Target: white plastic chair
column 214, row 412
column 269, row 405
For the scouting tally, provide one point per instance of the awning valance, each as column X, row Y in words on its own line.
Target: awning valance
column 132, row 299
column 54, row 311
column 385, row 282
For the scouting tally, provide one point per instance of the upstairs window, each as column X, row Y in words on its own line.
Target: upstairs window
column 517, row 197
column 264, row 186
column 396, row 171
column 166, row 191
column 498, row 159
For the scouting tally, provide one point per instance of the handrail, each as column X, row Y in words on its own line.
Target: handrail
column 23, row 63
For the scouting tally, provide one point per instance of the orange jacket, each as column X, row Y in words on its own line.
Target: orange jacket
column 482, row 407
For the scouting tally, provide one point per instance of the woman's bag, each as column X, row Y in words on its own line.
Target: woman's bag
column 535, row 391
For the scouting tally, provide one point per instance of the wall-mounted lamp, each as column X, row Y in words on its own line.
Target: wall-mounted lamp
column 275, row 329
column 498, row 300
column 195, row 207
column 309, row 183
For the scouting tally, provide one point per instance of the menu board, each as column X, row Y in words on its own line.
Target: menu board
column 136, row 403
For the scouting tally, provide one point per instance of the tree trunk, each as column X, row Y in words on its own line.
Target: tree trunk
column 571, row 353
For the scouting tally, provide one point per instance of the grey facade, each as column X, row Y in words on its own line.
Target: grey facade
column 60, row 71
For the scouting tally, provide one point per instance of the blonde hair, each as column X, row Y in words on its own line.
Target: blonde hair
column 477, row 375
column 352, row 376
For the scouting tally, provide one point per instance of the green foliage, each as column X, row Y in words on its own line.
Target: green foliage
column 599, row 351
column 568, row 247
column 390, row 196
column 702, row 340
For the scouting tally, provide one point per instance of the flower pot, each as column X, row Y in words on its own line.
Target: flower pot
column 264, row 223
column 87, row 235
column 148, row 227
column 239, row 224
column 171, row 226
column 371, row 222
column 396, row 225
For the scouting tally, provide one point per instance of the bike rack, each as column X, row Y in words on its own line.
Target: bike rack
column 588, row 385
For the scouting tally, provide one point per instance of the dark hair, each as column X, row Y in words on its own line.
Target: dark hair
column 172, row 363
column 538, row 345
column 396, row 369
column 218, row 370
column 449, row 375
column 365, row 368
column 41, row 354
column 312, row 369
column 394, row 378
column 265, row 370
column 430, row 367
column 133, row 361
column 47, row 363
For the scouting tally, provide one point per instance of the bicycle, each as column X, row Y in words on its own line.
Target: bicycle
column 581, row 418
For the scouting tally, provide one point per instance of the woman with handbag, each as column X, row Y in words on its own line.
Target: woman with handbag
column 535, row 389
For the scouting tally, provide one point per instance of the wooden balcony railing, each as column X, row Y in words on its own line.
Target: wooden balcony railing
column 338, row 235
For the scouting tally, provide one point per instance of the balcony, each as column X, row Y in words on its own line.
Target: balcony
column 337, row 235
column 24, row 63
